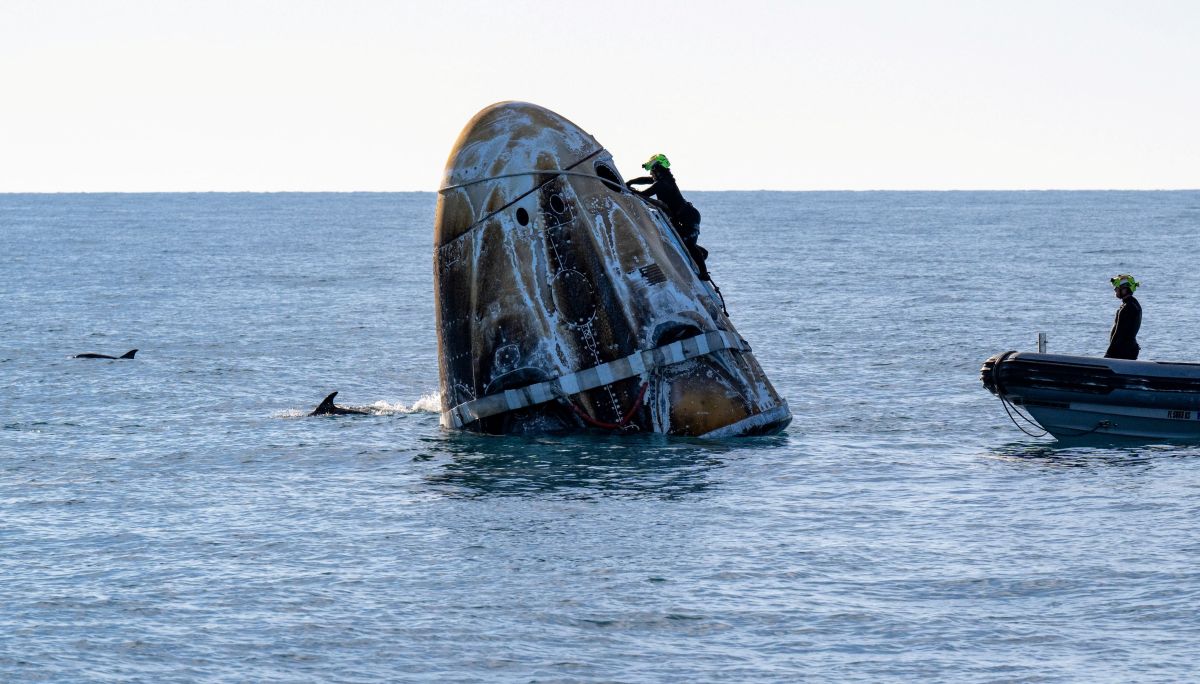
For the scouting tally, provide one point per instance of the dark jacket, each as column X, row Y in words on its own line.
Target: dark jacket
column 1122, row 341
column 664, row 188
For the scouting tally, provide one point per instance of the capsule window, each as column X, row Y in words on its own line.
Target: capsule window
column 522, row 216
column 609, row 177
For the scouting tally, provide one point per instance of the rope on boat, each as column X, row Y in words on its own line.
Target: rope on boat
column 1099, row 425
column 1011, row 408
column 1007, row 404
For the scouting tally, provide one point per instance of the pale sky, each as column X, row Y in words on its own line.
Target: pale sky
column 251, row 95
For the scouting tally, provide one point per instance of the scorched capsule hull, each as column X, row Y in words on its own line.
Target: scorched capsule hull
column 565, row 302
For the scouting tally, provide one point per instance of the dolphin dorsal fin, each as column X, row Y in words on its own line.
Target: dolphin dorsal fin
column 129, row 354
column 325, row 406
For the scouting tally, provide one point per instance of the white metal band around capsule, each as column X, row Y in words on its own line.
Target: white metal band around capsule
column 590, row 378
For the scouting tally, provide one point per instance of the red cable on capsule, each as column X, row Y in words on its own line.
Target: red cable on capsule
column 611, row 426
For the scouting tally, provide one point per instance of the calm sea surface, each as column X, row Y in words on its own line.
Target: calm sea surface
column 177, row 518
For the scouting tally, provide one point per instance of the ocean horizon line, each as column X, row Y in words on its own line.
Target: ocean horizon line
column 727, row 190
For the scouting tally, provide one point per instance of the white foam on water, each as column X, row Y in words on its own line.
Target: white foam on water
column 428, row 403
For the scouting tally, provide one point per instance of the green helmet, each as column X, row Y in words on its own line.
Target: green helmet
column 1124, row 280
column 660, row 159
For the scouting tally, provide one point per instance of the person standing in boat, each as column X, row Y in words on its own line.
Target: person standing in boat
column 1122, row 340
column 683, row 215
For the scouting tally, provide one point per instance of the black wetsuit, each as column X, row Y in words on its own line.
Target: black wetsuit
column 684, row 216
column 1122, row 341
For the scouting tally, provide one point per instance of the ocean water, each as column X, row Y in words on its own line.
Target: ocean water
column 178, row 518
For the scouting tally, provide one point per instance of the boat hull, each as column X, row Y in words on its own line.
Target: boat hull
column 1079, row 396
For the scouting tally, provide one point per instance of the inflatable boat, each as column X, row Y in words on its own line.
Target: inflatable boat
column 1075, row 396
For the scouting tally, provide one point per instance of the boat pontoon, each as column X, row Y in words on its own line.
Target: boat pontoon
column 1074, row 396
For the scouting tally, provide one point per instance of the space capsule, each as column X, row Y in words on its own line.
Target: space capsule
column 565, row 302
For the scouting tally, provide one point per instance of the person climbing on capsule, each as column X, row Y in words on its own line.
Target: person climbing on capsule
column 1122, row 340
column 683, row 215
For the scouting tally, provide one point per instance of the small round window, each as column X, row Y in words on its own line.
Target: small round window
column 522, row 216
column 609, row 176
